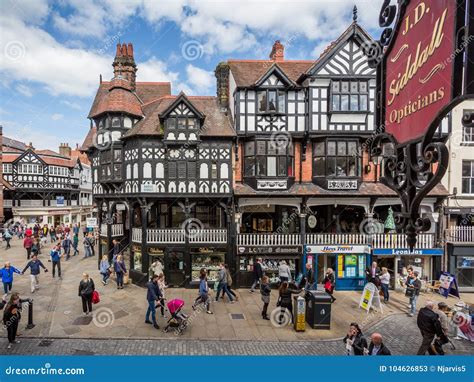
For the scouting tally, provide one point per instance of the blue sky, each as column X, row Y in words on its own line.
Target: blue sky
column 52, row 52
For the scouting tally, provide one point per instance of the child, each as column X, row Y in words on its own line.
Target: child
column 35, row 248
column 203, row 292
column 265, row 291
column 162, row 286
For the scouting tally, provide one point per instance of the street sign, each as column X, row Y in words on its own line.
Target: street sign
column 419, row 68
column 59, row 200
column 91, row 222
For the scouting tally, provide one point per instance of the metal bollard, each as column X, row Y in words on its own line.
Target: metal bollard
column 30, row 324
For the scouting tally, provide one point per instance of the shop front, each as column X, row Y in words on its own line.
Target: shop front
column 348, row 262
column 426, row 261
column 271, row 256
column 461, row 264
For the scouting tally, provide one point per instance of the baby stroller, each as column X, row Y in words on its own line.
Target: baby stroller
column 178, row 319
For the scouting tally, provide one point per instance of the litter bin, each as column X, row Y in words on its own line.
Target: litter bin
column 318, row 309
column 299, row 313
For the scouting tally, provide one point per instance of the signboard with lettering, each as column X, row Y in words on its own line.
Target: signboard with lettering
column 337, row 249
column 147, row 187
column 449, row 285
column 342, row 184
column 419, row 68
column 91, row 222
column 408, row 252
column 270, row 250
column 59, row 201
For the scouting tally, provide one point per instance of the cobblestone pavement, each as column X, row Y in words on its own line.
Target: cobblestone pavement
column 399, row 332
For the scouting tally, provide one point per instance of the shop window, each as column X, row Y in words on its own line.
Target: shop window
column 336, row 158
column 266, row 158
column 137, row 258
column 349, row 95
column 468, row 176
column 209, row 259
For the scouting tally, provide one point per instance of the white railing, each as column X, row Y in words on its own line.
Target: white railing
column 73, row 202
column 264, row 239
column 460, row 234
column 336, row 238
column 117, row 230
column 7, row 203
column 165, row 236
column 208, row 236
column 398, row 240
column 103, row 230
column 137, row 235
column 31, row 203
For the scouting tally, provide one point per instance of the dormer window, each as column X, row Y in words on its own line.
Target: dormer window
column 116, row 122
column 347, row 96
column 181, row 123
column 271, row 101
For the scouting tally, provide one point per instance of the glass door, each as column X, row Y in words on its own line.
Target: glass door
column 176, row 268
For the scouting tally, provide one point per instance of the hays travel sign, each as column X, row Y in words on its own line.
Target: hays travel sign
column 419, row 68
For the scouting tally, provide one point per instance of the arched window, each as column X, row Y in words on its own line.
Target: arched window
column 204, row 171
column 147, row 170
column 127, row 122
column 224, row 171
column 135, row 170
column 160, row 171
column 129, row 171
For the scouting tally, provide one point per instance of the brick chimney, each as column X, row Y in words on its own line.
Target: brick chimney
column 124, row 64
column 222, row 75
column 65, row 150
column 278, row 52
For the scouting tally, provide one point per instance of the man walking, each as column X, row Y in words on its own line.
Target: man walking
column 153, row 296
column 429, row 325
column 27, row 244
column 34, row 264
column 222, row 284
column 377, row 346
column 414, row 283
column 56, row 260
column 257, row 274
column 66, row 246
column 87, row 247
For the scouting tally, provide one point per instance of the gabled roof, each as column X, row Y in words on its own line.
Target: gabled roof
column 184, row 99
column 280, row 74
column 246, row 73
column 14, row 144
column 354, row 31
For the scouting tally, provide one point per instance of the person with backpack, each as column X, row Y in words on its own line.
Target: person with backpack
column 6, row 273
column 7, row 236
column 120, row 270
column 86, row 290
column 229, row 283
column 34, row 264
column 28, row 244
column 222, row 284
column 55, row 255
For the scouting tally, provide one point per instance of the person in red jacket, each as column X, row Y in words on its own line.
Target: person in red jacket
column 27, row 244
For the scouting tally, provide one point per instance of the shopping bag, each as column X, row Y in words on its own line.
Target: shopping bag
column 95, row 297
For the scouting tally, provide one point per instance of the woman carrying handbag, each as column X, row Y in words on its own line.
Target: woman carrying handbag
column 329, row 282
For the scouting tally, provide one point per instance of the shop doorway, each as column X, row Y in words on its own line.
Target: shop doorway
column 176, row 268
column 389, row 263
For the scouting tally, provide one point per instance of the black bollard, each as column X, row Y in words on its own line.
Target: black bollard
column 30, row 324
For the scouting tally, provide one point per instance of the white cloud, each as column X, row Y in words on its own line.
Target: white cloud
column 25, row 90
column 57, row 117
column 155, row 70
column 200, row 80
column 72, row 105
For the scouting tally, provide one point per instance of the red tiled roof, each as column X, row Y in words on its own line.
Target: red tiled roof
column 247, row 72
column 118, row 99
column 89, row 140
column 55, row 160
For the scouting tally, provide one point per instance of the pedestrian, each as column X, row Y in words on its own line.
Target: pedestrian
column 430, row 326
column 86, row 290
column 93, row 241
column 55, row 255
column 443, row 310
column 11, row 318
column 285, row 299
column 120, row 270
column 116, row 250
column 413, row 290
column 384, row 283
column 75, row 229
column 75, row 244
column 222, row 284
column 104, row 269
column 156, row 267
column 265, row 291
column 372, row 274
column 203, row 297
column 162, row 286
column 87, row 247
column 355, row 340
column 66, row 244
column 7, row 276
column 309, row 277
column 377, row 346
column 229, row 283
column 7, row 236
column 34, row 264
column 257, row 274
column 284, row 272
column 153, row 296
column 329, row 283
column 45, row 230
column 27, row 244
column 52, row 234
column 35, row 248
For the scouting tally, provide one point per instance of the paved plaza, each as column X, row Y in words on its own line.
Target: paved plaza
column 232, row 329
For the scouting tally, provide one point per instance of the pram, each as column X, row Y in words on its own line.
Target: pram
column 178, row 319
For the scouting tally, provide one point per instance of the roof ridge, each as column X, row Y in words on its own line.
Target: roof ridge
column 279, row 62
column 155, row 100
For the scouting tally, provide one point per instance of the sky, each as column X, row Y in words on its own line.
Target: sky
column 52, row 52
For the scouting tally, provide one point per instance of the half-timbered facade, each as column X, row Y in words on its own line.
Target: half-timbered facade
column 162, row 174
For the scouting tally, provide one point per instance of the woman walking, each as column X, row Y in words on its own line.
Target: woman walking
column 7, row 276
column 329, row 282
column 104, row 269
column 355, row 341
column 86, row 289
column 284, row 272
column 229, row 283
column 285, row 299
column 120, row 270
column 203, row 292
column 162, row 286
column 384, row 283
column 11, row 318
column 265, row 291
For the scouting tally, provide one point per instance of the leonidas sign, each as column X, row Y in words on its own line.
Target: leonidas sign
column 419, row 69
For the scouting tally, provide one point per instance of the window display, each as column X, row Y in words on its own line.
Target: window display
column 137, row 258
column 270, row 268
column 246, row 264
column 208, row 259
column 351, row 266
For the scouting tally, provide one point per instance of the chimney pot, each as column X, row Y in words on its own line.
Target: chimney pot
column 130, row 50
column 124, row 49
column 278, row 51
column 118, row 53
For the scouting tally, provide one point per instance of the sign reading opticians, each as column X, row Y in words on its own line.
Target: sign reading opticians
column 419, row 68
column 342, row 184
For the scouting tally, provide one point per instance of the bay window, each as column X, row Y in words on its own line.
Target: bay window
column 271, row 101
column 265, row 158
column 336, row 158
column 349, row 95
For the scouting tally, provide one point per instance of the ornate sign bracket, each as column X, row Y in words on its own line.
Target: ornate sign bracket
column 413, row 166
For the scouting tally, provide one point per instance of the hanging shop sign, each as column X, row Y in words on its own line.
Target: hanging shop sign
column 59, row 201
column 312, row 221
column 155, row 251
column 337, row 249
column 408, row 252
column 91, row 222
column 120, row 207
column 342, row 184
column 419, row 68
column 269, row 250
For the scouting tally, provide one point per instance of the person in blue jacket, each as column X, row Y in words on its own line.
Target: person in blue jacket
column 153, row 296
column 56, row 259
column 7, row 276
column 34, row 264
